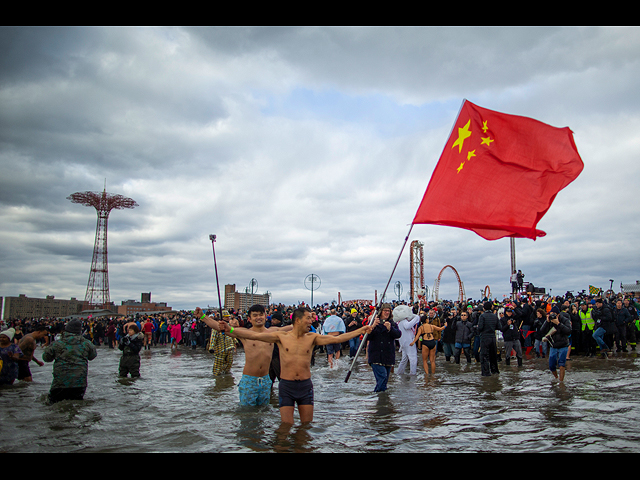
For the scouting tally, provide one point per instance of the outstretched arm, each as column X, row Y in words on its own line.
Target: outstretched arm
column 286, row 328
column 199, row 314
column 328, row 339
column 246, row 333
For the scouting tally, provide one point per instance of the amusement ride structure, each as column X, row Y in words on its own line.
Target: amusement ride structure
column 97, row 295
column 436, row 285
column 418, row 287
column 417, row 270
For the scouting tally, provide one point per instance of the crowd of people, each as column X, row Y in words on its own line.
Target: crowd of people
column 484, row 331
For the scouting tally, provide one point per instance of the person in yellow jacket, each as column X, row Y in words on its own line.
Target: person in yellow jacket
column 587, row 343
column 220, row 345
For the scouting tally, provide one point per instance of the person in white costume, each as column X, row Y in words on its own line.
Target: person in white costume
column 407, row 320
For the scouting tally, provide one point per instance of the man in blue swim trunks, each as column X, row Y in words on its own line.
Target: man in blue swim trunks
column 295, row 347
column 255, row 385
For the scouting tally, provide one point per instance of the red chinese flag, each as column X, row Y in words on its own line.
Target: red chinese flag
column 499, row 174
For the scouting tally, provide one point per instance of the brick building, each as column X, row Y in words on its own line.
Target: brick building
column 242, row 301
column 25, row 307
column 145, row 305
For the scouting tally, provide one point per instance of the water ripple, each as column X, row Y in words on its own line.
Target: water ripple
column 178, row 406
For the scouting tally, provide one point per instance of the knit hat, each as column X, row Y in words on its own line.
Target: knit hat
column 74, row 326
column 10, row 332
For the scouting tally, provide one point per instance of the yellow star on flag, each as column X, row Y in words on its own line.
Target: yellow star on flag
column 463, row 134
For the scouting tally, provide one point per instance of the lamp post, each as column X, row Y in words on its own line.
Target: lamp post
column 309, row 283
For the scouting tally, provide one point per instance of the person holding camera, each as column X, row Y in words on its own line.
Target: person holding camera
column 556, row 331
column 130, row 345
column 381, row 346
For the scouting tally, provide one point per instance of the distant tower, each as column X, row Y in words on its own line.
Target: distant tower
column 417, row 269
column 97, row 295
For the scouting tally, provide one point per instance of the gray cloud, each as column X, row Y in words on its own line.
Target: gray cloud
column 306, row 150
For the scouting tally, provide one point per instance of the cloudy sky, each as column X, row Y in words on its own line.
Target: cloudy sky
column 306, row 151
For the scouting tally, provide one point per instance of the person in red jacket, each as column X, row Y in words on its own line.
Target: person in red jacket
column 175, row 331
column 147, row 329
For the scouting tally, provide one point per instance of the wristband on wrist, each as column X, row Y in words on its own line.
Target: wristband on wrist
column 231, row 330
column 203, row 317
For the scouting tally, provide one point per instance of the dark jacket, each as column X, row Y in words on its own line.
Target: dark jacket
column 524, row 314
column 511, row 332
column 560, row 338
column 463, row 331
column 621, row 316
column 487, row 325
column 538, row 323
column 349, row 320
column 603, row 318
column 131, row 345
column 448, row 334
column 381, row 346
column 576, row 321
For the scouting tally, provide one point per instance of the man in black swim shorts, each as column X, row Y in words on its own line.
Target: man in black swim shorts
column 295, row 348
column 291, row 392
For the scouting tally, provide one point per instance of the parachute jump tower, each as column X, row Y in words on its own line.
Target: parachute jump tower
column 97, row 295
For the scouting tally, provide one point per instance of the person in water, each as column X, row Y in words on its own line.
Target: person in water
column 429, row 344
column 296, row 348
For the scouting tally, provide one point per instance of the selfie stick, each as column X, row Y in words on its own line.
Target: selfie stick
column 375, row 311
column 215, row 266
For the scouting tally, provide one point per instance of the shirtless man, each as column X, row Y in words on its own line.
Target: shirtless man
column 255, row 386
column 28, row 346
column 296, row 347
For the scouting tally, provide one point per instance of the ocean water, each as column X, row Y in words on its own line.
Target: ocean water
column 177, row 405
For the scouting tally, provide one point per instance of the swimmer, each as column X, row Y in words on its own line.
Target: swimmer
column 255, row 385
column 429, row 344
column 296, row 348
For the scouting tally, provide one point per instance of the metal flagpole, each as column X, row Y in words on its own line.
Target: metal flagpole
column 375, row 311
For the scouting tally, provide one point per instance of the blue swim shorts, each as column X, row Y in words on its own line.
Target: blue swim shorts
column 254, row 391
